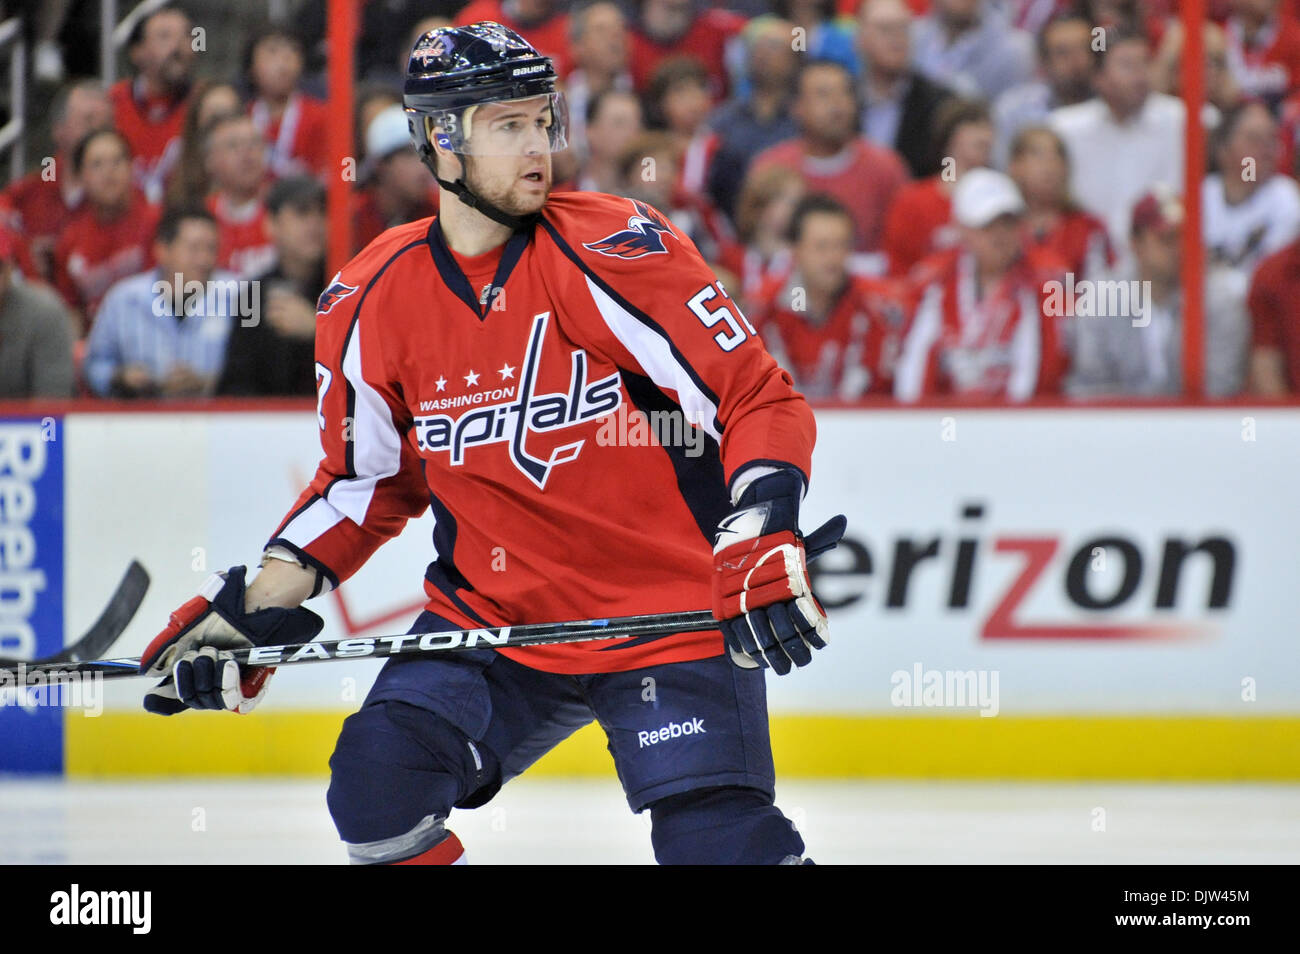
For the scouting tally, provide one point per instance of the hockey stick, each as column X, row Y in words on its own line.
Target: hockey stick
column 818, row 542
column 104, row 633
column 409, row 644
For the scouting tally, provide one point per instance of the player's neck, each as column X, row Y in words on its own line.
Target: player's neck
column 468, row 232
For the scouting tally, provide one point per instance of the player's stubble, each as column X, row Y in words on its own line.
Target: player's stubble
column 505, row 189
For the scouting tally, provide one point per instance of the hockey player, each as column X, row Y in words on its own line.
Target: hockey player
column 465, row 363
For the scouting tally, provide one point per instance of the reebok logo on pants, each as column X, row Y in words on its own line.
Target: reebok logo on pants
column 673, row 730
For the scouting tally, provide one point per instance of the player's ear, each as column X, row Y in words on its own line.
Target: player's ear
column 439, row 143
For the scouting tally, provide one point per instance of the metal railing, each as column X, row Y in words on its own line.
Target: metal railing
column 12, row 133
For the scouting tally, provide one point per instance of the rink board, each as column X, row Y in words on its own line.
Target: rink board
column 1113, row 587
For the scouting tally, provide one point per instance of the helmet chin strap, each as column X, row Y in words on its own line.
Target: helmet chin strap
column 478, row 203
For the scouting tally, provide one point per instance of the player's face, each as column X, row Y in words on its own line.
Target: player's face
column 510, row 160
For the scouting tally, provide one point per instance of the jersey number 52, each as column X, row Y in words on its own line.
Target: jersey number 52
column 734, row 334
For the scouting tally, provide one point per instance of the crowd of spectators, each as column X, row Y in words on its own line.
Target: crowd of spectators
column 908, row 198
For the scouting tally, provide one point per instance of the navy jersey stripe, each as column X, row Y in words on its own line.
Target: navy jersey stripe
column 700, row 479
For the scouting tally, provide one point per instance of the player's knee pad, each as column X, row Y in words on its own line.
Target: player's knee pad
column 722, row 826
column 395, row 774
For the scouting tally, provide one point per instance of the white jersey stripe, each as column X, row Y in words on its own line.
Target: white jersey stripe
column 310, row 525
column 376, row 445
column 654, row 355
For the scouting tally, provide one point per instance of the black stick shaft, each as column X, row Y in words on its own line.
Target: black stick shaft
column 408, row 644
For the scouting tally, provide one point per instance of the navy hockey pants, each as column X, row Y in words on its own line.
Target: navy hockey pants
column 689, row 741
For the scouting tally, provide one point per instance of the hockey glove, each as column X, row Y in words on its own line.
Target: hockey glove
column 192, row 651
column 761, row 594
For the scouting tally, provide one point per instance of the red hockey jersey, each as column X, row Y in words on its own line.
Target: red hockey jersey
column 513, row 404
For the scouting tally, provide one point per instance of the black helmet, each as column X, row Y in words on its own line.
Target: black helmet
column 454, row 69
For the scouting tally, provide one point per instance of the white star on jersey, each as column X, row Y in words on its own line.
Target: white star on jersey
column 442, row 383
column 506, row 372
column 471, row 379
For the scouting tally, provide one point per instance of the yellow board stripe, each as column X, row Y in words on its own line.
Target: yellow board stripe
column 1187, row 747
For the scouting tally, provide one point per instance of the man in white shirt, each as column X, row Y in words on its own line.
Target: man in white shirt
column 1124, row 141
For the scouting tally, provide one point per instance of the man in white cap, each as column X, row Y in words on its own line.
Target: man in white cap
column 398, row 187
column 979, row 326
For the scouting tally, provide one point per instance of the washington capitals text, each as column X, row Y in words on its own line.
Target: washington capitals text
column 513, row 420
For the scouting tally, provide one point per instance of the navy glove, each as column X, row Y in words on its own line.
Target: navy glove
column 193, row 650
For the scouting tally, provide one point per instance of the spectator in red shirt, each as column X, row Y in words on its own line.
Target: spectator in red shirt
column 833, row 158
column 189, row 182
column 1274, row 305
column 44, row 201
column 668, row 27
column 149, row 109
column 1040, row 167
column 110, row 236
column 295, row 126
column 541, row 22
column 679, row 103
column 837, row 334
column 979, row 326
column 234, row 156
column 398, row 186
column 919, row 221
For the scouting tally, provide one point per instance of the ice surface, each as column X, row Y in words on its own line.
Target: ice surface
column 548, row 821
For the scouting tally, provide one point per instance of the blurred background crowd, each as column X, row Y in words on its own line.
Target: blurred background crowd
column 908, row 198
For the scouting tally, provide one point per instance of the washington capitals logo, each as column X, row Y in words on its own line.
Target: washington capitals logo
column 333, row 295
column 643, row 235
column 429, row 50
column 513, row 421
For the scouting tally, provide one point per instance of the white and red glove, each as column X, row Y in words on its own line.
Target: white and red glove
column 193, row 650
column 762, row 597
